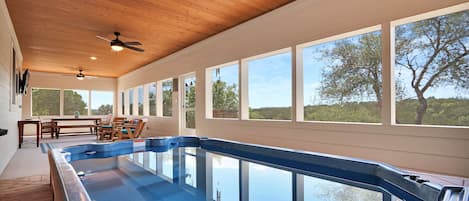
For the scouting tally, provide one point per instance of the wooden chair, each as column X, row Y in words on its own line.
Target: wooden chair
column 129, row 131
column 106, row 130
column 47, row 127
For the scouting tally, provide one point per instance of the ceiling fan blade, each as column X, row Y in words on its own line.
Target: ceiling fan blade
column 102, row 38
column 133, row 43
column 134, row 48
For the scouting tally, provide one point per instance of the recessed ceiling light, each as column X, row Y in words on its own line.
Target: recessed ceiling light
column 93, row 58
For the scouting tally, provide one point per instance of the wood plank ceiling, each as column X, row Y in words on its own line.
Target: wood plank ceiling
column 60, row 35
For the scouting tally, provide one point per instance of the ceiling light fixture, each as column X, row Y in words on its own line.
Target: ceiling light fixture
column 116, row 47
column 80, row 76
column 93, row 58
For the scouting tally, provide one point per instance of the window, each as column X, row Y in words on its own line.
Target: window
column 123, row 103
column 431, row 71
column 131, row 101
column 167, row 163
column 102, row 102
column 45, row 102
column 225, row 178
column 224, row 91
column 76, row 101
column 167, row 98
column 140, row 100
column 342, row 79
column 269, row 87
column 267, row 183
column 320, row 189
column 152, row 160
column 190, row 168
column 140, row 158
column 152, row 99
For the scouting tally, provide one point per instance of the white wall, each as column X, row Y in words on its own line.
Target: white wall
column 9, row 115
column 431, row 149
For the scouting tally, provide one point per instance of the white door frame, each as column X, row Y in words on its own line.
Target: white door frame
column 182, row 113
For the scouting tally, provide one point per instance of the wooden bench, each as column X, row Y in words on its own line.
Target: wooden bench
column 94, row 126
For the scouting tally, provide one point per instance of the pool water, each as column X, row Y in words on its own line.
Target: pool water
column 189, row 173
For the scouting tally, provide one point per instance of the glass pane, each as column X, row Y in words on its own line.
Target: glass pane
column 342, row 80
column 76, row 101
column 102, row 102
column 123, row 103
column 432, row 73
column 45, row 102
column 189, row 101
column 140, row 100
column 319, row 189
column 225, row 178
column 270, row 87
column 167, row 98
column 131, row 156
column 131, row 101
column 140, row 158
column 225, row 101
column 167, row 163
column 152, row 160
column 152, row 99
column 191, row 171
column 267, row 183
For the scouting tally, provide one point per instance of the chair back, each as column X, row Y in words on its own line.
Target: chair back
column 139, row 128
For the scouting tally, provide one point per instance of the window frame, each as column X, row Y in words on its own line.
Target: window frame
column 113, row 101
column 244, row 85
column 209, row 90
column 299, row 71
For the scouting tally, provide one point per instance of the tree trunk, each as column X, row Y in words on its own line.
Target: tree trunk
column 421, row 108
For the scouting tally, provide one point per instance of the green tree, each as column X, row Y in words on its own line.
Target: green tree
column 167, row 99
column 103, row 110
column 354, row 70
column 45, row 102
column 74, row 102
column 225, row 101
column 436, row 52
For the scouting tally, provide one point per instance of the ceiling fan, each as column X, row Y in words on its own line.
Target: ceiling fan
column 118, row 45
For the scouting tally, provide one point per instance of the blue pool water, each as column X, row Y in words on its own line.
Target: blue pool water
column 183, row 169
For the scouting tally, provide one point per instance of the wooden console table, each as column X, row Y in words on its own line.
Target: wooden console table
column 21, row 130
column 56, row 127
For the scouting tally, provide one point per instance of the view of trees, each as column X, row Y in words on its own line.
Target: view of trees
column 225, row 101
column 45, row 102
column 74, row 102
column 102, row 110
column 168, row 98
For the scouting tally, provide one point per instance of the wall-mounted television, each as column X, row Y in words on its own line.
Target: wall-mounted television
column 24, row 81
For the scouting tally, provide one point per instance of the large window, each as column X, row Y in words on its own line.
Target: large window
column 342, row 79
column 267, row 183
column 102, row 102
column 224, row 91
column 152, row 99
column 140, row 100
column 225, row 178
column 131, row 101
column 45, row 102
column 167, row 98
column 270, row 87
column 76, row 101
column 432, row 71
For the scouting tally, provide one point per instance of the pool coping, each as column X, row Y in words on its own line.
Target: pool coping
column 368, row 172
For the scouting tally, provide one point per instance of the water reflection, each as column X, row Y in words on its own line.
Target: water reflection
column 194, row 174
